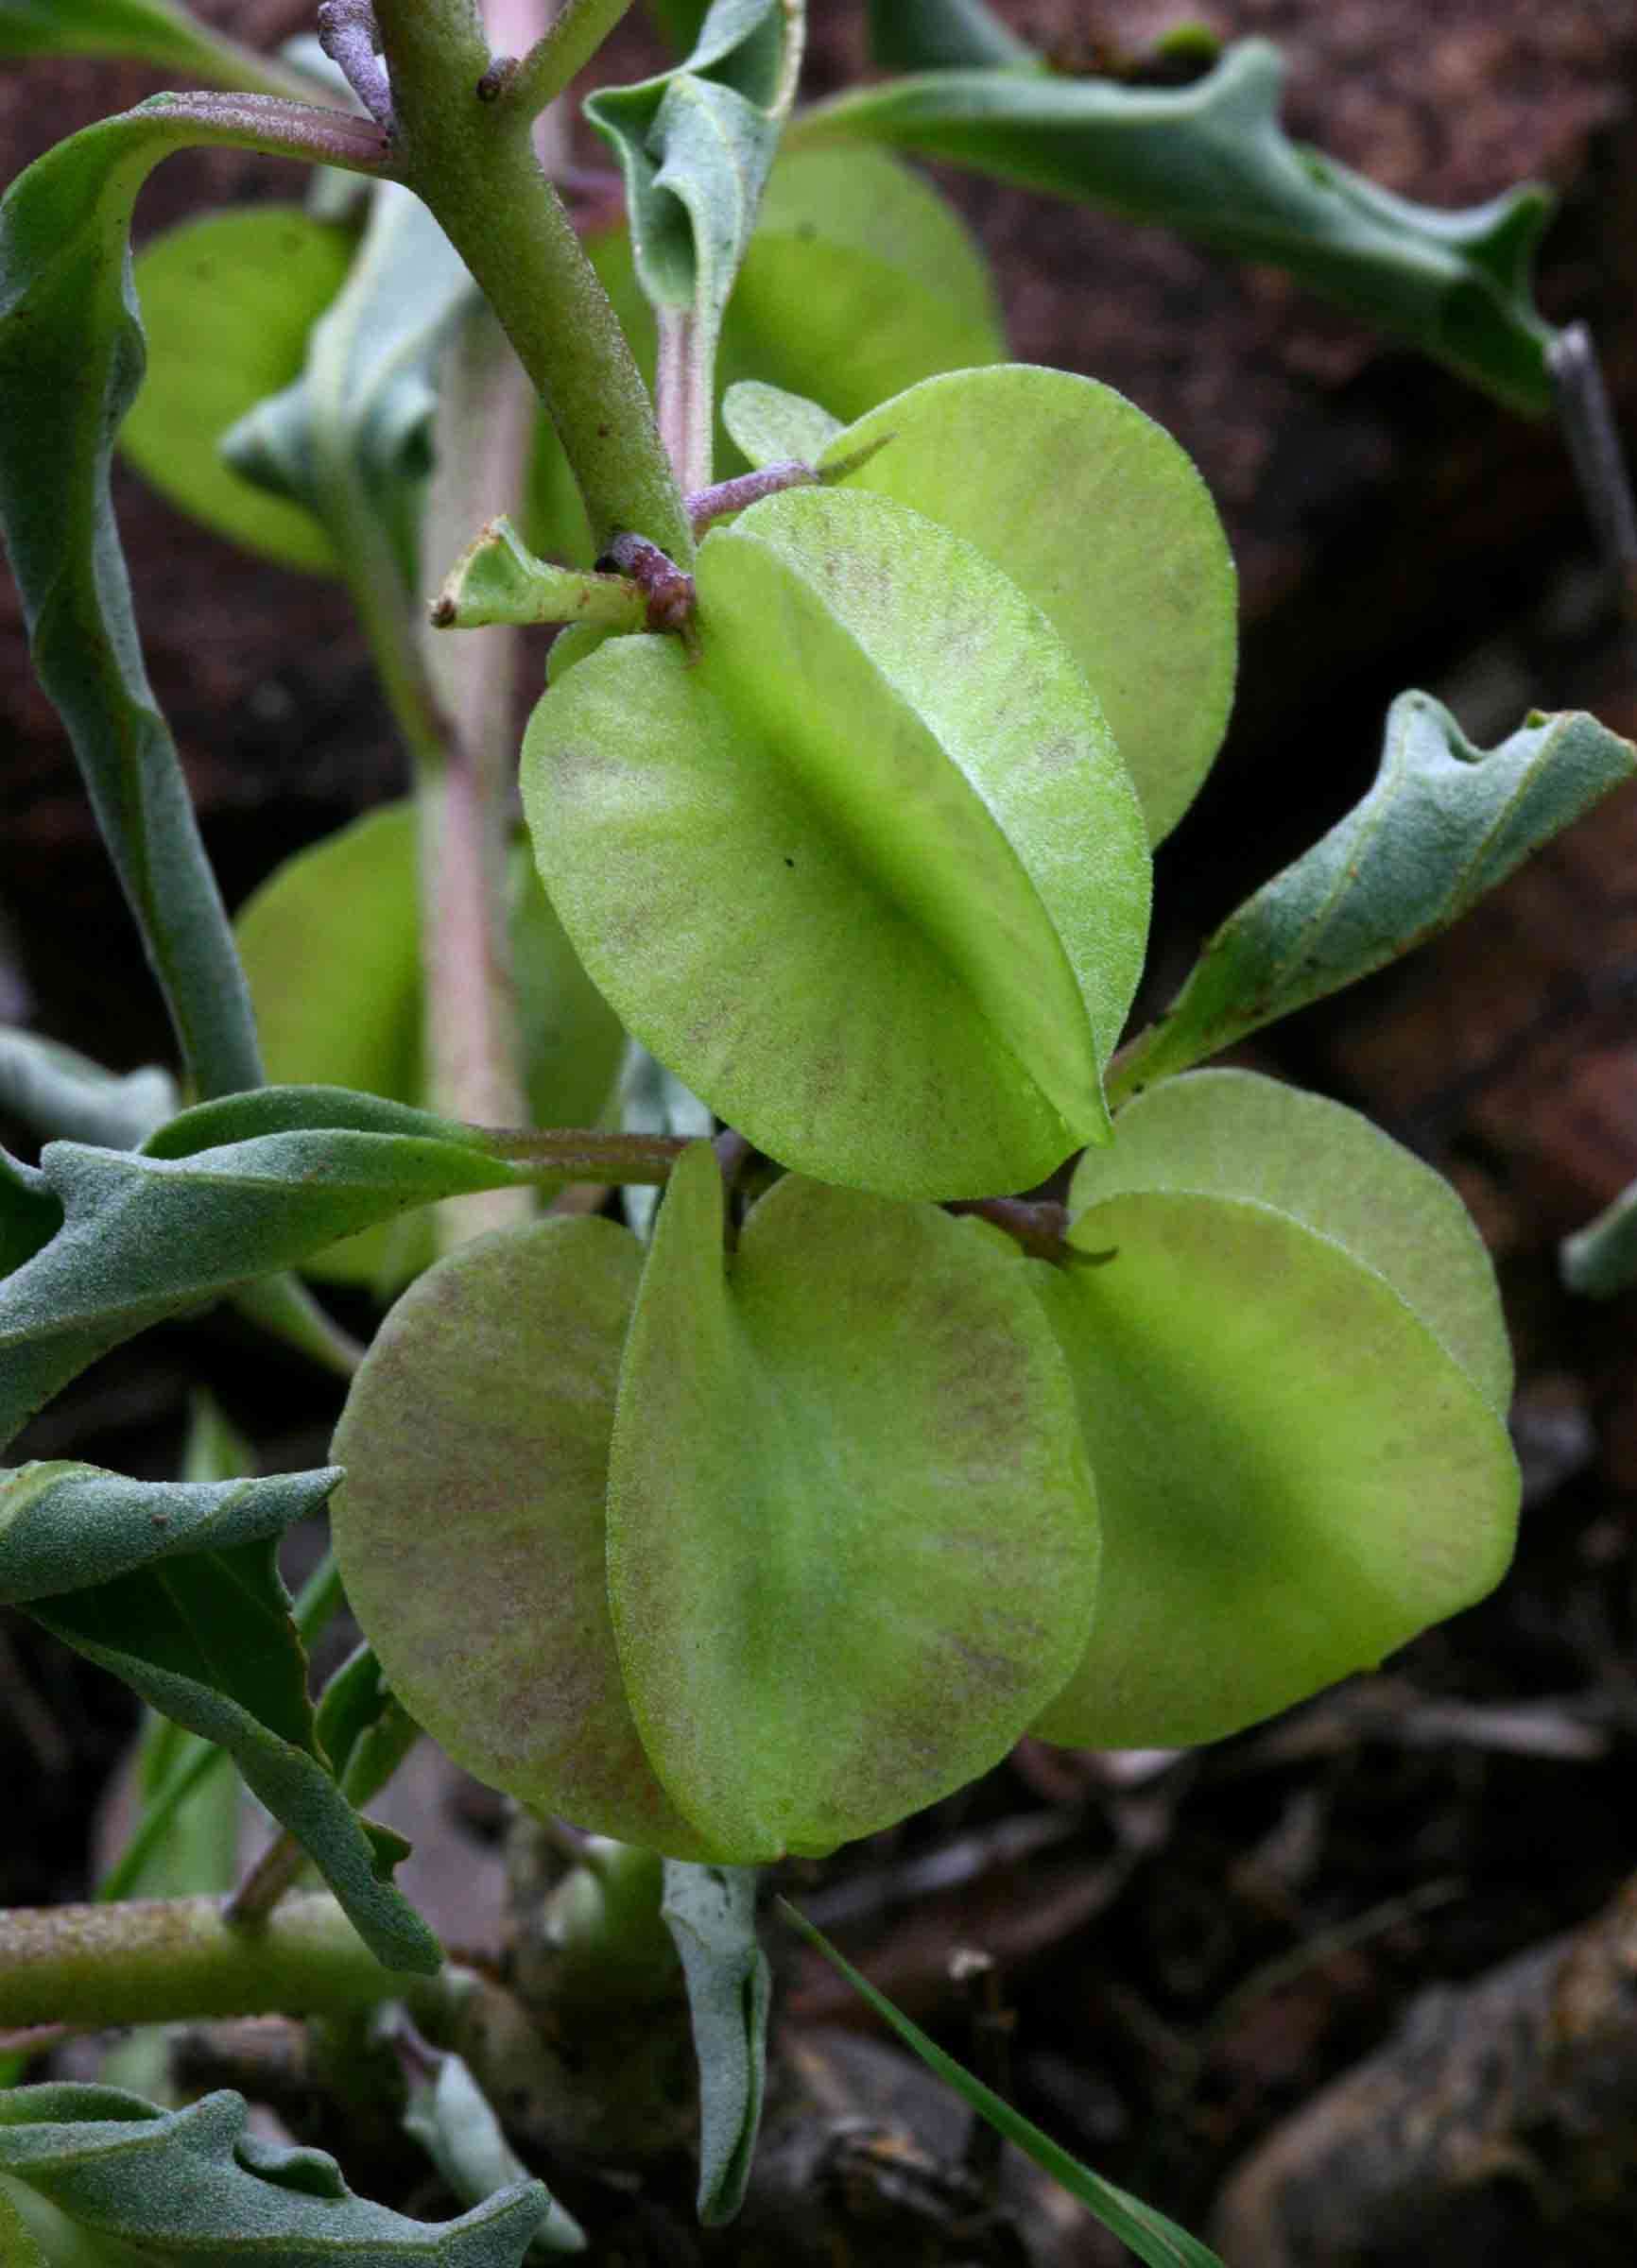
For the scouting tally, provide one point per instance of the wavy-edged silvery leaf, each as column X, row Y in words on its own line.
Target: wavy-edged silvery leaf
column 694, row 145
column 711, row 1913
column 942, row 35
column 111, row 2172
column 146, row 1234
column 63, row 1095
column 1212, row 162
column 454, row 2122
column 349, row 441
column 68, row 1526
column 228, row 300
column 1600, row 1261
column 31, row 1211
column 1443, row 823
column 71, row 358
column 910, row 971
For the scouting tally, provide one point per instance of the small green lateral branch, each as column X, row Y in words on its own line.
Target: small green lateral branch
column 819, row 1342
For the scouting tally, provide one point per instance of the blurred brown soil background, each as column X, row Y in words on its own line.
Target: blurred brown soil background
column 1188, row 1950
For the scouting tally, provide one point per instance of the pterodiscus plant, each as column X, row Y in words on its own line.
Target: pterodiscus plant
column 829, row 1346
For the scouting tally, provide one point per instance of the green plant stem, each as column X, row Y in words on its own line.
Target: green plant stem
column 171, row 1960
column 559, row 55
column 478, row 173
column 583, row 1154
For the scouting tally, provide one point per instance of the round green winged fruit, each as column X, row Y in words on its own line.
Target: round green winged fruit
column 867, row 873
column 469, row 1529
column 227, row 304
column 1292, row 1382
column 1097, row 515
column 331, row 944
column 853, row 1541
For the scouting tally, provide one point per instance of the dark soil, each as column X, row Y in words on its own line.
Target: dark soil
column 1190, row 1949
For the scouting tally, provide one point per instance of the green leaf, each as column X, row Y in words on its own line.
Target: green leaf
column 1298, row 1430
column 348, row 440
column 1212, row 162
column 941, row 35
column 450, row 2117
column 1235, row 1134
column 352, row 907
column 363, row 1727
column 1154, row 2240
column 1021, row 462
column 1443, row 823
column 149, row 31
column 694, row 146
column 30, row 1213
column 1601, row 1261
column 911, row 970
column 711, row 1913
column 770, row 425
column 228, row 302
column 471, row 1527
column 147, row 1235
column 851, row 1539
column 497, row 580
column 56, row 1092
column 113, row 2172
column 71, row 359
column 172, row 1586
column 66, row 1528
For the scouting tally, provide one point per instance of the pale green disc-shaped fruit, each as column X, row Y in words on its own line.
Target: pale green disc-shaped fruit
column 1295, row 1477
column 331, row 944
column 469, row 1529
column 1236, row 1134
column 853, row 1541
column 227, row 303
column 1100, row 518
column 868, row 874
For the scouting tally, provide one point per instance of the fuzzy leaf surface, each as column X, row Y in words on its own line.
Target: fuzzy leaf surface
column 349, row 908
column 694, row 146
column 1445, row 823
column 146, row 1235
column 471, row 1527
column 852, row 1539
column 348, row 441
column 1236, row 1134
column 770, row 425
column 1023, row 462
column 1212, row 162
column 71, row 359
column 195, row 2184
column 228, row 302
column 59, row 1093
column 193, row 1617
column 66, row 1526
column 711, row 1913
column 1295, row 1477
column 910, row 973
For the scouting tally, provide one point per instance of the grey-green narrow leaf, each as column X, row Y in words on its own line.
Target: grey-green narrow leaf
column 110, row 2170
column 942, row 35
column 711, row 1913
column 30, row 1213
column 1154, row 2239
column 1601, row 1260
column 1443, row 823
column 1212, row 162
column 452, row 2119
column 146, row 1235
column 65, row 1527
column 65, row 1095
